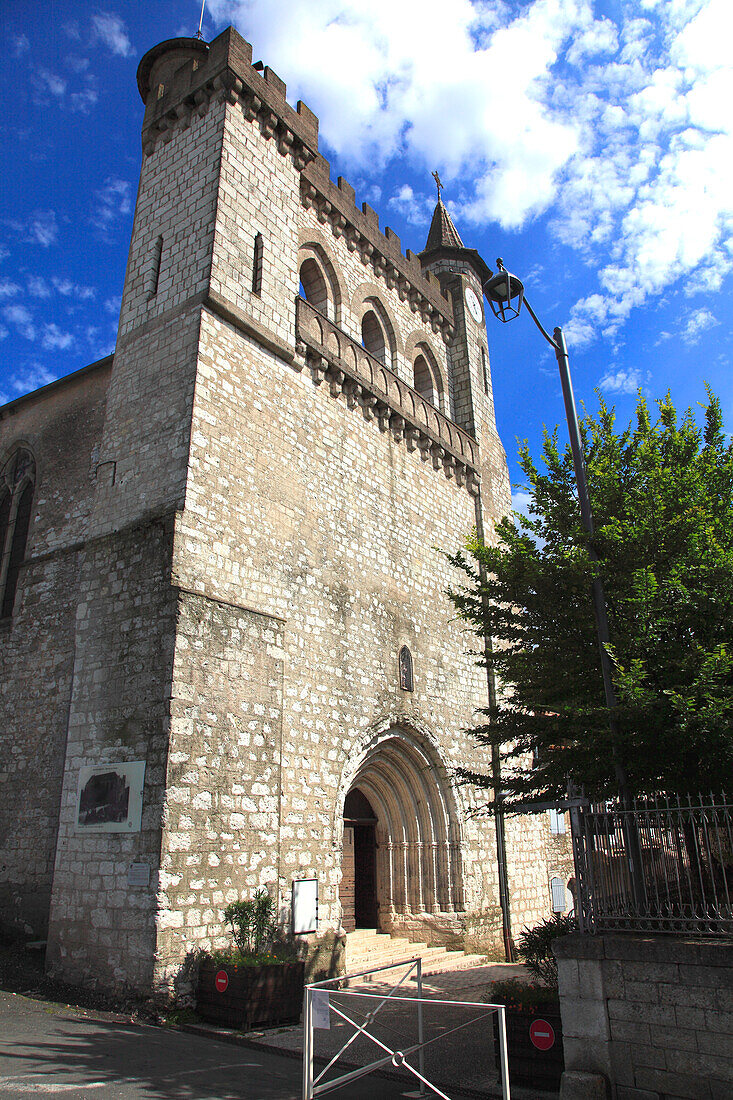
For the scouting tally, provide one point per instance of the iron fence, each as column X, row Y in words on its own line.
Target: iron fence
column 665, row 864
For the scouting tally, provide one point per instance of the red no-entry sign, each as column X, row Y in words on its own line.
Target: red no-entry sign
column 542, row 1034
column 221, row 981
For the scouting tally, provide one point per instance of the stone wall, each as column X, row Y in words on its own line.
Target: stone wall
column 651, row 1014
column 61, row 426
column 102, row 927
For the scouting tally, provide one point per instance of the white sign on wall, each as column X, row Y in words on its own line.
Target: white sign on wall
column 305, row 905
column 110, row 798
column 321, row 1010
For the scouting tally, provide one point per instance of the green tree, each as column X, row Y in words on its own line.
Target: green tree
column 662, row 499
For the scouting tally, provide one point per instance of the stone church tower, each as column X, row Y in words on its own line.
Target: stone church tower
column 250, row 673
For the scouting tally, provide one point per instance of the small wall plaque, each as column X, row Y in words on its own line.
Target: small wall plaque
column 305, row 906
column 138, row 874
column 110, row 798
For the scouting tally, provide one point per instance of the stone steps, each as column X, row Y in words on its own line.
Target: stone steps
column 366, row 949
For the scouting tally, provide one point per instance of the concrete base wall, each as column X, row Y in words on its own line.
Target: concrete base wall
column 653, row 1014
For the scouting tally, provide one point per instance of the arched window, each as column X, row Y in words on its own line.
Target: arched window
column 423, row 380
column 407, row 682
column 372, row 336
column 313, row 286
column 16, row 506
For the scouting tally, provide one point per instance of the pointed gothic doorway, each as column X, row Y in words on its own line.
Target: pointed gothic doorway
column 401, row 837
column 359, row 883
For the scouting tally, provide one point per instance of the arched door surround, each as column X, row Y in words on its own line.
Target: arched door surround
column 418, row 857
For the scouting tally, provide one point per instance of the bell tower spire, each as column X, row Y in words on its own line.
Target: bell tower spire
column 462, row 272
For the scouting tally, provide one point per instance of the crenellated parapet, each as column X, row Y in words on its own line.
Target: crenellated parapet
column 335, row 206
column 183, row 78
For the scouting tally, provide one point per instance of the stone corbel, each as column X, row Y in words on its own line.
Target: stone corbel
column 352, row 238
column 397, row 427
column 268, row 123
column 366, row 250
column 318, row 367
column 412, row 435
column 368, row 404
column 449, row 464
column 336, row 380
column 308, row 195
column 391, row 276
column 324, row 210
column 424, row 442
column 300, row 355
column 351, row 390
column 437, row 453
column 301, row 156
column 251, row 107
column 384, row 413
column 285, row 139
column 379, row 263
column 338, row 223
column 201, row 99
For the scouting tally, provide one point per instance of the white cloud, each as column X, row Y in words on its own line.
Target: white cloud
column 38, row 287
column 622, row 125
column 67, row 289
column 112, row 202
column 40, row 228
column 21, row 44
column 54, row 339
column 8, row 289
column 51, row 82
column 21, row 317
column 430, row 86
column 621, row 381
column 696, row 324
column 83, row 101
column 415, row 209
column 112, row 33
column 112, row 305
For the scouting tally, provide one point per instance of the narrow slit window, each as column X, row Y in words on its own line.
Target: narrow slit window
column 407, row 682
column 484, row 365
column 257, row 265
column 155, row 267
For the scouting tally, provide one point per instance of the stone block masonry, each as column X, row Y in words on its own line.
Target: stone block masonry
column 248, row 541
column 653, row 1015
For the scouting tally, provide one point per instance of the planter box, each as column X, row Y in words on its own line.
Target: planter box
column 527, row 1064
column 250, row 996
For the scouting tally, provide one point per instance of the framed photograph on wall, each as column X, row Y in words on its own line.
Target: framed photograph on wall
column 110, row 798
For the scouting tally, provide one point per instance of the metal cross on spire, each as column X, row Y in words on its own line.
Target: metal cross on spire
column 438, row 184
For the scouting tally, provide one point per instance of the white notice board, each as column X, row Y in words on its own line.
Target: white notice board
column 305, row 906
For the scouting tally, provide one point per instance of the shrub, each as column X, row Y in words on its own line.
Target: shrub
column 253, row 923
column 535, row 945
column 523, row 997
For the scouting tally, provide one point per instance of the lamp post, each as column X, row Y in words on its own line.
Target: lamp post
column 505, row 295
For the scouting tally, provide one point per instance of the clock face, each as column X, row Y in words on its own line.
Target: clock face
column 474, row 306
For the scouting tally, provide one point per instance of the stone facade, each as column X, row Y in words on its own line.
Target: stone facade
column 244, row 534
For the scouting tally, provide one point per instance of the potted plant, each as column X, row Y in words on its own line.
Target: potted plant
column 259, row 981
column 533, row 1023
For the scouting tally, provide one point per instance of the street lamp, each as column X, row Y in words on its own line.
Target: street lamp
column 505, row 295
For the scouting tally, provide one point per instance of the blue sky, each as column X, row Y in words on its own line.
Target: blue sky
column 588, row 144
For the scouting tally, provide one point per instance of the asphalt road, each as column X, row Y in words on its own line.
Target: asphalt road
column 54, row 1050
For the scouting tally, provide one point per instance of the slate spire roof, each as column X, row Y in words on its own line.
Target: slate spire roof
column 443, row 233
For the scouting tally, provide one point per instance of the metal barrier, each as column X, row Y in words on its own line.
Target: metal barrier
column 683, row 880
column 319, row 1004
